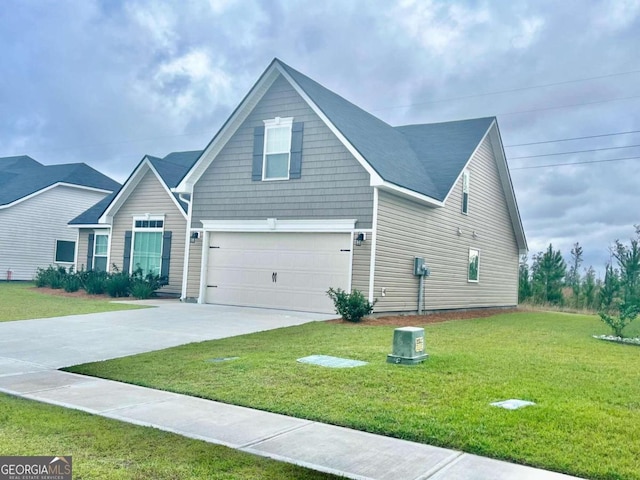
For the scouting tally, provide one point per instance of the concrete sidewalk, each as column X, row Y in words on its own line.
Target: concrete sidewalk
column 327, row 448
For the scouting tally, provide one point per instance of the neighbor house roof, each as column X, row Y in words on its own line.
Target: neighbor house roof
column 169, row 170
column 22, row 176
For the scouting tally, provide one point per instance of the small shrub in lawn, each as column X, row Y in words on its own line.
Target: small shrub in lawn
column 353, row 306
column 626, row 315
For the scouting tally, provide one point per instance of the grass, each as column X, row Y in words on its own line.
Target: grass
column 587, row 391
column 22, row 301
column 108, row 449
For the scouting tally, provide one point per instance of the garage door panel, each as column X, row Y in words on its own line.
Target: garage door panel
column 241, row 266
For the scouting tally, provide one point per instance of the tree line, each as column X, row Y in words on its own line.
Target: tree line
column 552, row 280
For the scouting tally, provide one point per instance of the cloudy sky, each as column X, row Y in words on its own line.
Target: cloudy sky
column 105, row 82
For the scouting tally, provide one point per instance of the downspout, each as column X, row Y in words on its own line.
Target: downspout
column 187, row 247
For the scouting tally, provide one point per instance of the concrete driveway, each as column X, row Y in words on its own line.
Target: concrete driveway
column 43, row 344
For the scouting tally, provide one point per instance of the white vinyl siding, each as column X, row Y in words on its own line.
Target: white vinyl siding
column 45, row 218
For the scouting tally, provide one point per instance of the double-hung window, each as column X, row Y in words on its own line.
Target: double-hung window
column 100, row 249
column 147, row 245
column 277, row 148
column 65, row 251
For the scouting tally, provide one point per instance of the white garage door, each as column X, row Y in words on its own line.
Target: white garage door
column 277, row 270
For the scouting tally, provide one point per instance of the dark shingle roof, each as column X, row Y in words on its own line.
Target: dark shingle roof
column 23, row 176
column 424, row 158
column 170, row 168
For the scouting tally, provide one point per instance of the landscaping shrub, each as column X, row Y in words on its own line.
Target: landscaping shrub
column 353, row 306
column 144, row 286
column 51, row 276
column 118, row 284
column 71, row 282
column 94, row 282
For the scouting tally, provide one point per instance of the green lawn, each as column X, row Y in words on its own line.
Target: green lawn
column 21, row 301
column 587, row 391
column 108, row 449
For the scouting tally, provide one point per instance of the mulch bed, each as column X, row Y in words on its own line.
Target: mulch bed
column 59, row 292
column 393, row 320
column 413, row 320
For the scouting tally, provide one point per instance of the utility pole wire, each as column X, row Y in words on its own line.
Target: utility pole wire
column 575, row 151
column 575, row 163
column 573, row 138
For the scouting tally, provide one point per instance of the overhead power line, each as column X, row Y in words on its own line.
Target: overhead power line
column 574, row 163
column 572, row 138
column 575, row 151
column 511, row 90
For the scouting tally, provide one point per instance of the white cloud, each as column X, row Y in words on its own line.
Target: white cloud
column 156, row 22
column 528, row 32
column 617, row 14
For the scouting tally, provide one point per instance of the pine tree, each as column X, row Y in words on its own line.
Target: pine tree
column 573, row 277
column 524, row 280
column 547, row 274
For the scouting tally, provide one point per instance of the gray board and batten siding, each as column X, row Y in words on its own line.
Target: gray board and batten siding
column 333, row 185
column 406, row 230
column 150, row 197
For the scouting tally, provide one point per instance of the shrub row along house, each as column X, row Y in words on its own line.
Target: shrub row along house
column 300, row 190
column 36, row 202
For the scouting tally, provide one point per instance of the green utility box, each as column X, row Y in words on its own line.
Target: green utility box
column 408, row 346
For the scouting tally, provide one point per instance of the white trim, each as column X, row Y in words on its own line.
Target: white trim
column 75, row 254
column 130, row 186
column 90, row 226
column 374, row 237
column 270, row 124
column 46, row 189
column 204, row 263
column 349, row 285
column 471, row 157
column 466, row 180
column 409, row 194
column 187, row 248
column 96, row 232
column 229, row 128
column 361, row 160
column 468, row 255
column 275, row 225
column 134, row 230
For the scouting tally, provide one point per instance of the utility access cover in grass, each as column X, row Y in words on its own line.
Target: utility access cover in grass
column 331, row 362
column 512, row 404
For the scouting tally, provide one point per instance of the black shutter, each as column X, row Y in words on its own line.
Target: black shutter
column 295, row 168
column 258, row 149
column 90, row 251
column 166, row 255
column 127, row 251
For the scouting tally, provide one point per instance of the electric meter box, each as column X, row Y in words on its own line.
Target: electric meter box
column 408, row 346
column 420, row 267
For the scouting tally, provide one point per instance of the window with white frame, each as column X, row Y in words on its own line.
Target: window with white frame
column 65, row 251
column 100, row 252
column 474, row 265
column 465, row 192
column 277, row 148
column 147, row 244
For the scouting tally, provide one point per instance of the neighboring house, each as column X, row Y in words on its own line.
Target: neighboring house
column 36, row 203
column 301, row 190
column 142, row 225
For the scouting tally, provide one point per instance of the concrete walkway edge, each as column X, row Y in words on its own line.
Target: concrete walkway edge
column 327, row 448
